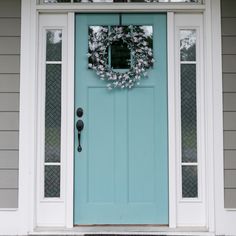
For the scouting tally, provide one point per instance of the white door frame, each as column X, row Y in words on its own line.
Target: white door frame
column 24, row 218
column 52, row 212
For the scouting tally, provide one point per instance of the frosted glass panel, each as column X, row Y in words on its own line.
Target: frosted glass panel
column 52, row 122
column 189, row 182
column 53, row 113
column 188, row 113
column 54, row 44
column 52, row 181
column 188, row 45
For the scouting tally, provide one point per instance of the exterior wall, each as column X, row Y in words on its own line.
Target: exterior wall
column 9, row 101
column 229, row 95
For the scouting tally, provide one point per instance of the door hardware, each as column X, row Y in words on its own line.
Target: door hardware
column 79, row 126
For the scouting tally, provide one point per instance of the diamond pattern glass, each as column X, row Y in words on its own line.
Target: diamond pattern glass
column 188, row 45
column 53, row 113
column 54, row 45
column 188, row 113
column 189, row 182
column 52, row 181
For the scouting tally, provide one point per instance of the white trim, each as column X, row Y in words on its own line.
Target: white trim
column 209, row 134
column 70, row 127
column 51, row 211
column 184, row 205
column 171, row 120
column 121, row 7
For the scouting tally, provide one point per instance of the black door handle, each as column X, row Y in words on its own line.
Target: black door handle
column 79, row 126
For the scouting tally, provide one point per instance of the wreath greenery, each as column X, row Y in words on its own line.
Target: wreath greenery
column 139, row 46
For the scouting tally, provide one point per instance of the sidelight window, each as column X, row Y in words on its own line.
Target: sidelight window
column 52, row 143
column 188, row 75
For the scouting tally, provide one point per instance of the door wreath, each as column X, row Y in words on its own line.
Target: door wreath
column 141, row 55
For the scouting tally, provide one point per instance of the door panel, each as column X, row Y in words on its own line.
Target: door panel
column 121, row 173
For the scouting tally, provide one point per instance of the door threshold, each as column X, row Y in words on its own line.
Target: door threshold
column 121, row 230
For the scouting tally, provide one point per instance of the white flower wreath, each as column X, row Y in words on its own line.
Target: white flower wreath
column 137, row 43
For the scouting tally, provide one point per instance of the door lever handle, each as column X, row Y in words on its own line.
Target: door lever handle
column 80, row 127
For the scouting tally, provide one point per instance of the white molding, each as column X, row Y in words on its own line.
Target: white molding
column 51, row 211
column 185, row 207
column 209, row 134
column 70, row 124
column 171, row 119
column 121, row 7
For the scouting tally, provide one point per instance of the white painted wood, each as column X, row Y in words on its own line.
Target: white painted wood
column 197, row 205
column 171, row 119
column 51, row 211
column 121, row 7
column 70, row 125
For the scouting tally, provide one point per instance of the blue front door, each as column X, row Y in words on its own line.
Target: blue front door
column 121, row 174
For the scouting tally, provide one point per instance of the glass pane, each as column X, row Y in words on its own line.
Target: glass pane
column 189, row 182
column 120, row 54
column 95, row 35
column 53, row 113
column 52, row 181
column 54, row 45
column 188, row 45
column 188, row 113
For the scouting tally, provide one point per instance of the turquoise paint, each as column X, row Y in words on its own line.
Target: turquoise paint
column 121, row 176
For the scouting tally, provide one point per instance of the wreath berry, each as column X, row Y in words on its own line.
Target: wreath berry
column 139, row 46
